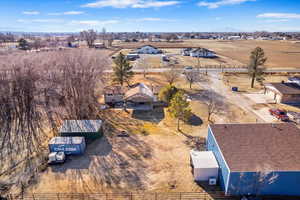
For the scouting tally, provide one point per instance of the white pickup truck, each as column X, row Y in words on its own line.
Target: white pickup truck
column 56, row 157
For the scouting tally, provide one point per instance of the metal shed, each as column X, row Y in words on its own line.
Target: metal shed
column 205, row 165
column 69, row 145
column 90, row 129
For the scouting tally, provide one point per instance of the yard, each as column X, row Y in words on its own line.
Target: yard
column 155, row 158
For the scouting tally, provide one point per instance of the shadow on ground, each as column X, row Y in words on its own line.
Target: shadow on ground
column 117, row 163
column 155, row 115
column 195, row 120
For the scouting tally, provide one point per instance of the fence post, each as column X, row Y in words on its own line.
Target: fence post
column 33, row 196
column 155, row 195
column 57, row 196
column 180, row 195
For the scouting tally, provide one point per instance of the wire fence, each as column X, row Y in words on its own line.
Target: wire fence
column 122, row 196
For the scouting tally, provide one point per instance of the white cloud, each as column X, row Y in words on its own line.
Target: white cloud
column 31, row 12
column 276, row 20
column 94, row 22
column 149, row 19
column 155, row 4
column 40, row 21
column 130, row 3
column 219, row 3
column 279, row 15
column 153, row 19
column 67, row 13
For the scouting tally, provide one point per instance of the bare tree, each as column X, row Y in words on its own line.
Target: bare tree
column 38, row 91
column 211, row 106
column 144, row 64
column 89, row 36
column 171, row 76
column 192, row 77
column 214, row 103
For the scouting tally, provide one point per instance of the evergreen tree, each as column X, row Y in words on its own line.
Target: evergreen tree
column 255, row 69
column 23, row 44
column 122, row 70
column 179, row 108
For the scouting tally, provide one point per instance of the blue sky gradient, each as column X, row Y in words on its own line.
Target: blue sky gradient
column 150, row 15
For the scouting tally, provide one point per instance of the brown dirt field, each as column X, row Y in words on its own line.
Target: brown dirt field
column 281, row 54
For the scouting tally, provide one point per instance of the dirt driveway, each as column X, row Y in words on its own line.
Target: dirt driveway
column 236, row 98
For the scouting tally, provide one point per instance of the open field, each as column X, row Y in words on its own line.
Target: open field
column 281, row 54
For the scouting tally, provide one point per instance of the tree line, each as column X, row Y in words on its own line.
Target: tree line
column 39, row 91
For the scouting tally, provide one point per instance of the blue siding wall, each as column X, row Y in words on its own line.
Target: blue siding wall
column 273, row 183
column 211, row 145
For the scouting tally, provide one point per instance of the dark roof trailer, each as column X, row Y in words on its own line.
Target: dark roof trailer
column 90, row 129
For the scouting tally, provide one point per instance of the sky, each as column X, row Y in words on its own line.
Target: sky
column 150, row 15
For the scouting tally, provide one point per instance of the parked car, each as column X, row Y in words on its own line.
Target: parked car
column 187, row 69
column 279, row 114
column 123, row 134
column 294, row 116
column 56, row 157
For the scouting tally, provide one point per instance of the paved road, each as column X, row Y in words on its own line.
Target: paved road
column 211, row 70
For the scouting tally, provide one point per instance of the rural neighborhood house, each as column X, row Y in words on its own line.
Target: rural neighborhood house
column 148, row 49
column 137, row 97
column 283, row 92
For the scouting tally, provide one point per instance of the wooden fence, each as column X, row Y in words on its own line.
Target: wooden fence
column 122, row 196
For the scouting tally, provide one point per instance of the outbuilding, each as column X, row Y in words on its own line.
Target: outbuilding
column 68, row 145
column 205, row 165
column 283, row 92
column 257, row 159
column 90, row 129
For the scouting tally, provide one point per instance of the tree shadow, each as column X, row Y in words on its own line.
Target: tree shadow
column 155, row 115
column 116, row 163
column 195, row 120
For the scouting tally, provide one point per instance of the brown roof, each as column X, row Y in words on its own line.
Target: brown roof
column 259, row 147
column 140, row 89
column 115, row 89
column 286, row 88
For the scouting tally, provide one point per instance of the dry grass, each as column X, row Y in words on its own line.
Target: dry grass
column 280, row 53
column 243, row 81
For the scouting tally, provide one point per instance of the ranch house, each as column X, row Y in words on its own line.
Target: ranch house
column 148, row 49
